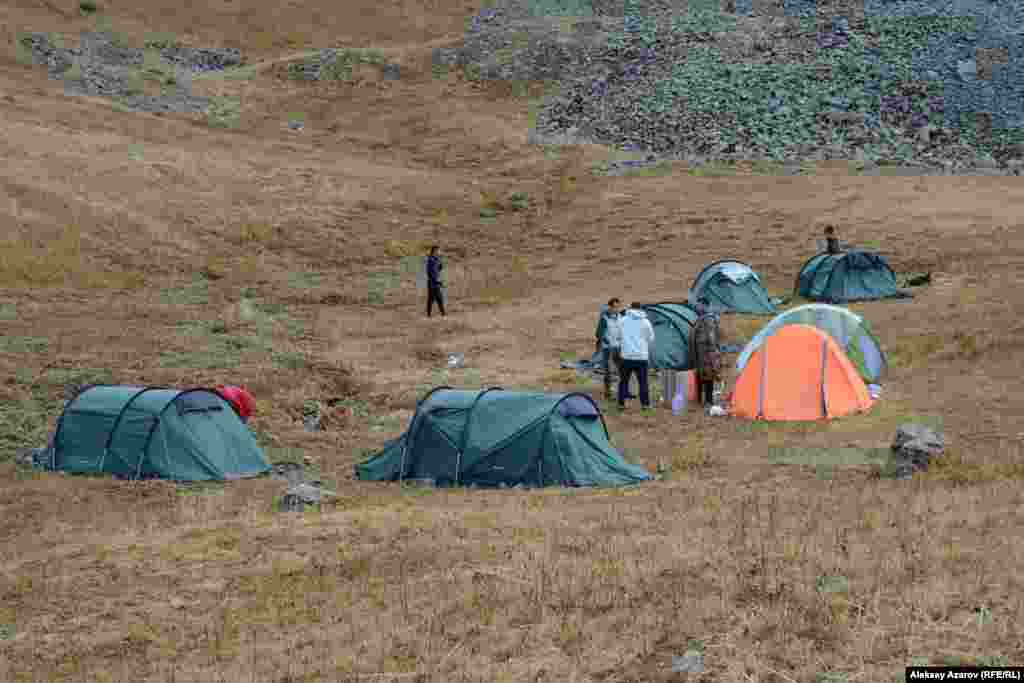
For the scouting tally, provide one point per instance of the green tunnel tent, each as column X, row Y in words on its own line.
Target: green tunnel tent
column 672, row 322
column 495, row 438
column 850, row 331
column 731, row 287
column 846, row 277
column 154, row 432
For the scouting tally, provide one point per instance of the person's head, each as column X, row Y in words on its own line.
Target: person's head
column 703, row 304
column 829, row 230
column 433, row 250
column 636, row 306
column 615, row 305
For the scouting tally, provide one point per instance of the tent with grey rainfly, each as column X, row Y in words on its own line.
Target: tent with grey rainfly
column 498, row 438
column 153, row 432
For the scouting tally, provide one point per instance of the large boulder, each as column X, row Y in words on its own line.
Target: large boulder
column 913, row 448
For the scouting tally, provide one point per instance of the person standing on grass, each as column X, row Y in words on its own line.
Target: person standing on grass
column 831, row 241
column 609, row 341
column 435, row 288
column 705, row 352
column 637, row 338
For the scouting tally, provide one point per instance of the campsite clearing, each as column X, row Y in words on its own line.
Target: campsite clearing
column 126, row 235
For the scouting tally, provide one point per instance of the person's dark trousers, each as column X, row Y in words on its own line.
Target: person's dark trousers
column 435, row 293
column 706, row 392
column 627, row 369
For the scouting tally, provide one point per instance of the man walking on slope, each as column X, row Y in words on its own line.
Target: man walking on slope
column 435, row 288
column 609, row 342
column 705, row 352
column 637, row 337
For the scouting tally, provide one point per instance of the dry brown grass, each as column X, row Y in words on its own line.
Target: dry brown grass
column 310, row 245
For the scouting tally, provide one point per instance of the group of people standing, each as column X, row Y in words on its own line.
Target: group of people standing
column 624, row 338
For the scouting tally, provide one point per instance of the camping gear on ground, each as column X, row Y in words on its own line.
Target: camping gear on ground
column 849, row 330
column 673, row 380
column 679, row 400
column 154, row 432
column 495, row 438
column 240, row 399
column 731, row 287
column 672, row 324
column 799, row 373
column 850, row 276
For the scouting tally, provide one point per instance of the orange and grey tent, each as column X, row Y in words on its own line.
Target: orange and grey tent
column 799, row 373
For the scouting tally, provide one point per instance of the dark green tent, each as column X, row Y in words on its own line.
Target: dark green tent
column 673, row 323
column 154, row 432
column 495, row 438
column 731, row 287
column 848, row 276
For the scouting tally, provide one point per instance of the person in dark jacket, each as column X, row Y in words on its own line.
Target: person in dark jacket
column 705, row 352
column 831, row 240
column 435, row 287
column 609, row 342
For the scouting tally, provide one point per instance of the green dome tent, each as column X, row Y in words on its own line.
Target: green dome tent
column 845, row 277
column 495, row 438
column 731, row 287
column 154, row 432
column 673, row 323
column 849, row 330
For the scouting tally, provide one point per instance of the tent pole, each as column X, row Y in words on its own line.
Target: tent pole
column 824, row 365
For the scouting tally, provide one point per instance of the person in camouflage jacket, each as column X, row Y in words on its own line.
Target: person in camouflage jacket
column 705, row 352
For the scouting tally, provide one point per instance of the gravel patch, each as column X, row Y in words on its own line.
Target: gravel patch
column 648, row 76
column 100, row 67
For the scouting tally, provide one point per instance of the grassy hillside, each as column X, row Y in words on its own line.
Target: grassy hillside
column 164, row 245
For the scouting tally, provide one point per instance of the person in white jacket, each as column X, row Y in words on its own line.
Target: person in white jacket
column 637, row 338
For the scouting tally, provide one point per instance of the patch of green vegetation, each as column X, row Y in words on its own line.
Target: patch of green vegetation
column 22, row 53
column 26, row 424
column 73, row 73
column 195, row 294
column 224, row 112
column 14, row 344
column 378, row 285
column 78, row 376
column 200, row 488
column 8, row 311
column 291, row 360
column 662, row 168
column 160, row 40
column 235, row 73
column 87, row 6
column 714, row 169
column 213, row 349
column 339, row 68
column 156, row 68
column 305, row 279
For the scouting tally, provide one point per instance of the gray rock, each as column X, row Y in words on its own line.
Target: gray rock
column 913, row 448
column 967, row 68
column 908, row 432
column 691, row 662
column 309, row 493
column 392, row 72
column 312, row 423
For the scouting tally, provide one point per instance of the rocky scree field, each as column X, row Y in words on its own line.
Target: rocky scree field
column 908, row 83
